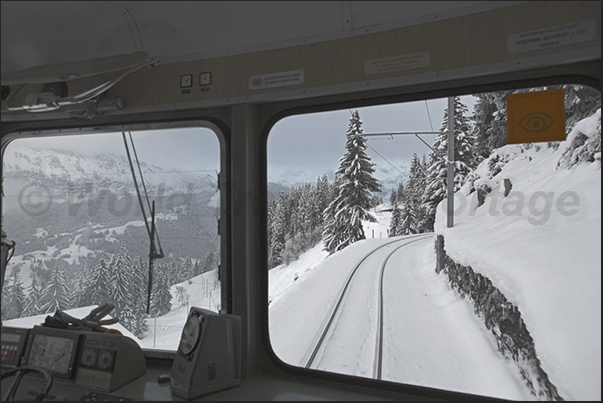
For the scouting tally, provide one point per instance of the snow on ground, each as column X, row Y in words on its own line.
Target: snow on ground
column 164, row 332
column 432, row 337
column 541, row 246
column 78, row 313
column 202, row 291
column 283, row 276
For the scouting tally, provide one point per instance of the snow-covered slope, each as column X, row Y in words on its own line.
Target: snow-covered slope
column 541, row 246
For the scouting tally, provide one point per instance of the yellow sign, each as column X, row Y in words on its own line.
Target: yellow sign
column 534, row 117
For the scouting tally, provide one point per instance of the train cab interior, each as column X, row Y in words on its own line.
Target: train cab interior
column 263, row 200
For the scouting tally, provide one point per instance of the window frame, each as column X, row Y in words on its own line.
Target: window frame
column 369, row 99
column 222, row 132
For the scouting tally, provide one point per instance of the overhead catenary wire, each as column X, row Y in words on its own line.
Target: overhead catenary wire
column 146, row 223
column 154, row 230
column 151, row 231
column 385, row 159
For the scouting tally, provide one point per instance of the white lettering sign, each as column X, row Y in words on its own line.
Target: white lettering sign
column 282, row 79
column 576, row 32
column 409, row 61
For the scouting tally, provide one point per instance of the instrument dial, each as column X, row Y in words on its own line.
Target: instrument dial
column 105, row 360
column 88, row 358
column 190, row 334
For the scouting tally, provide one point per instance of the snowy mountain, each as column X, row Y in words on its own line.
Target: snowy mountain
column 69, row 172
column 295, row 177
column 388, row 176
column 66, row 207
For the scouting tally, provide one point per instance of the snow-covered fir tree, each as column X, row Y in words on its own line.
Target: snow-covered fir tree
column 277, row 227
column 13, row 296
column 55, row 295
column 81, row 284
column 412, row 212
column 400, row 192
column 354, row 191
column 489, row 122
column 128, row 283
column 210, row 262
column 295, row 221
column 581, row 101
column 172, row 269
column 408, row 220
column 34, row 295
column 140, row 289
column 393, row 197
column 99, row 282
column 464, row 161
column 120, row 281
column 324, row 195
column 395, row 220
column 187, row 269
column 161, row 298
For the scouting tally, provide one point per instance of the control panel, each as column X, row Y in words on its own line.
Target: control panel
column 13, row 346
column 91, row 360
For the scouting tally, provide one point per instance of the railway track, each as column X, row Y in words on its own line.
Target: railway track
column 330, row 323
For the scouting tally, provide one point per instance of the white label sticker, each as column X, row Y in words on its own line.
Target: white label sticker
column 576, row 32
column 409, row 61
column 282, row 79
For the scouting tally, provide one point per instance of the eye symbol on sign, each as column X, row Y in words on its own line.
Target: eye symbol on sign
column 536, row 122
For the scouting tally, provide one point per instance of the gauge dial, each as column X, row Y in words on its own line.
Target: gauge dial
column 190, row 334
column 186, row 81
column 105, row 360
column 88, row 358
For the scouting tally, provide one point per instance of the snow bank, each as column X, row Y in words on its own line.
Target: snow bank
column 541, row 246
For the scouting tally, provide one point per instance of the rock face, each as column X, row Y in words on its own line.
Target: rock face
column 502, row 318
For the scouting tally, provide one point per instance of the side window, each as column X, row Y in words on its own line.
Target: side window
column 79, row 209
column 368, row 278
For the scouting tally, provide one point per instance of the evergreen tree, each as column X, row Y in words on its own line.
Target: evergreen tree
column 580, row 102
column 310, row 218
column 393, row 198
column 413, row 210
column 187, row 268
column 31, row 306
column 324, row 192
column 173, row 271
column 100, row 282
column 139, row 289
column 483, row 119
column 408, row 221
column 400, row 193
column 209, row 262
column 395, row 221
column 120, row 280
column 277, row 232
column 55, row 295
column 161, row 298
column 129, row 282
column 464, row 161
column 356, row 182
column 15, row 296
column 80, row 295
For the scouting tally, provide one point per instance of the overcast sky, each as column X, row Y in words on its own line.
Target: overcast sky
column 186, row 149
column 315, row 142
column 312, row 143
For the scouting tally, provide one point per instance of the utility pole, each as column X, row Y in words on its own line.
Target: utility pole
column 450, row 173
